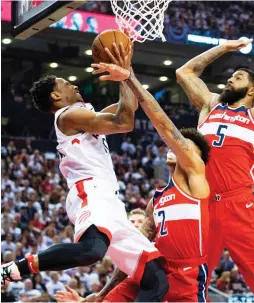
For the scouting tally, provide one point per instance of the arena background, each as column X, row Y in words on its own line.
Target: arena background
column 33, row 190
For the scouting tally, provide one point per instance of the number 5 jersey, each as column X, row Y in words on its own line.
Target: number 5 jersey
column 230, row 132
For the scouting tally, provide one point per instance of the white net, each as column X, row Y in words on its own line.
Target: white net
column 143, row 19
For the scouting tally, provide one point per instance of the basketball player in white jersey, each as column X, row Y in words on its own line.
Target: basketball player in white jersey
column 227, row 122
column 99, row 217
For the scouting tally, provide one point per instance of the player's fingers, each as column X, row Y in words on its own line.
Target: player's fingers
column 105, row 78
column 96, row 65
column 100, row 70
column 111, row 56
column 118, row 56
column 122, row 51
column 69, row 289
column 130, row 54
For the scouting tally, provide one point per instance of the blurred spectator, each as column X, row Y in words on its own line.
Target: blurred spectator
column 29, row 291
column 8, row 245
column 137, row 217
column 226, row 262
column 223, row 282
column 54, row 285
column 38, row 283
column 237, row 284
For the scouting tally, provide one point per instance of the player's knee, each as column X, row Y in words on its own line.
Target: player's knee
column 92, row 248
column 154, row 277
column 99, row 250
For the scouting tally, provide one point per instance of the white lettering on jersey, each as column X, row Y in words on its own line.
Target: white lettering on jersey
column 229, row 118
column 167, row 198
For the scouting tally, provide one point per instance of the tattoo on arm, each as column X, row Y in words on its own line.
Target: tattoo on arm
column 200, row 62
column 156, row 114
column 126, row 108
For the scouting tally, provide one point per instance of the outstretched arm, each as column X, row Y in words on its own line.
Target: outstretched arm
column 188, row 75
column 187, row 157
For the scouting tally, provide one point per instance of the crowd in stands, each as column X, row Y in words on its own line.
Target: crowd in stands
column 224, row 19
column 33, row 218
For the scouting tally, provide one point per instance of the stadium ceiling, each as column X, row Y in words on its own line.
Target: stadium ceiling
column 67, row 49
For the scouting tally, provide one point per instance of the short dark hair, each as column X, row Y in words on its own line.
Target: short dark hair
column 41, row 91
column 194, row 135
column 250, row 73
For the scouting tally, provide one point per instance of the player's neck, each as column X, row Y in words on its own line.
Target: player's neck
column 242, row 102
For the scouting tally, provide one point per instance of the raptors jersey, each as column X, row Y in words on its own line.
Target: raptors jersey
column 182, row 224
column 230, row 132
column 84, row 155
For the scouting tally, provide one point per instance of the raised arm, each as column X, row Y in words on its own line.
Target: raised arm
column 83, row 120
column 187, row 157
column 189, row 160
column 188, row 75
column 117, row 118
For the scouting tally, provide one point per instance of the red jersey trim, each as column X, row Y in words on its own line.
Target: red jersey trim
column 251, row 115
column 184, row 193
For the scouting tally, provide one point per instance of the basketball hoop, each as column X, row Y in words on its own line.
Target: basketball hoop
column 143, row 19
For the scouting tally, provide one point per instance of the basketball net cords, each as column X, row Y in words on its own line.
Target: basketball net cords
column 143, row 19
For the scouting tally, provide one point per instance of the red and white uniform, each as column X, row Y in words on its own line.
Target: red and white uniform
column 93, row 198
column 182, row 224
column 230, row 169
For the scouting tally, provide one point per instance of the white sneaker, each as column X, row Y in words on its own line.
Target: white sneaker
column 9, row 273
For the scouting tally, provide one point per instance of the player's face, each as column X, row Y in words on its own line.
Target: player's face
column 137, row 220
column 67, row 92
column 236, row 88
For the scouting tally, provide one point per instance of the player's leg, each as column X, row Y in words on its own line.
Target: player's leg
column 91, row 248
column 215, row 242
column 188, row 284
column 240, row 238
column 154, row 283
column 126, row 291
column 136, row 256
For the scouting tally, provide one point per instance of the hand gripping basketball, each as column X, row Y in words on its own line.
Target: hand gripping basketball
column 120, row 69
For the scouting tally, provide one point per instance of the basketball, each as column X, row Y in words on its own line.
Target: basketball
column 106, row 39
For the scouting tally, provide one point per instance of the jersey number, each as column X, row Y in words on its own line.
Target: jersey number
column 163, row 230
column 220, row 133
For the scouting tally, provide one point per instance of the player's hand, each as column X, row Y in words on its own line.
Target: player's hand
column 121, row 57
column 93, row 298
column 116, row 73
column 68, row 296
column 234, row 45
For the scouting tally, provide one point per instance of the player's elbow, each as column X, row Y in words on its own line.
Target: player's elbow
column 128, row 127
column 181, row 73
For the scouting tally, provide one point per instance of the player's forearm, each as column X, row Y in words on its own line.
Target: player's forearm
column 124, row 116
column 164, row 126
column 117, row 277
column 199, row 63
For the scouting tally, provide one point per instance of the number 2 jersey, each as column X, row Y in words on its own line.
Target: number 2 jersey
column 84, row 155
column 182, row 225
column 230, row 133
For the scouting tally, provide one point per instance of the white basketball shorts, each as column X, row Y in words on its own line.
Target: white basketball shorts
column 93, row 201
